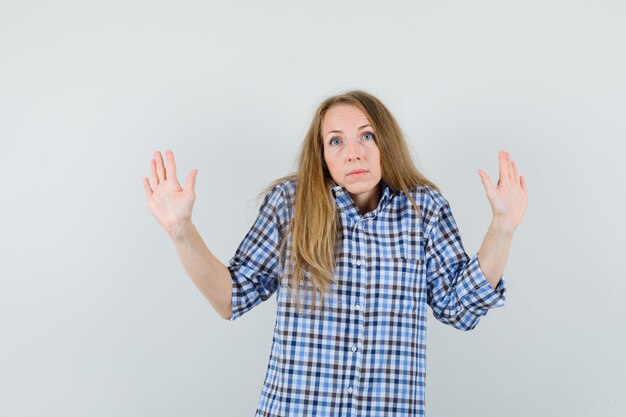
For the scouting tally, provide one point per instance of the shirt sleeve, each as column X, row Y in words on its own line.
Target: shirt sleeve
column 255, row 268
column 458, row 291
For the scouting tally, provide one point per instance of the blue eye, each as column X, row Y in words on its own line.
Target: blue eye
column 368, row 136
column 335, row 141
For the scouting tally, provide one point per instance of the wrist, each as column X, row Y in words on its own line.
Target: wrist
column 502, row 225
column 180, row 230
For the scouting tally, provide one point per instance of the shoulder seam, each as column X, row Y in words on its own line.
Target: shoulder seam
column 438, row 205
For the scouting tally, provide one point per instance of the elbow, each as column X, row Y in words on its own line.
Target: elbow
column 226, row 314
column 461, row 323
column 466, row 327
column 463, row 320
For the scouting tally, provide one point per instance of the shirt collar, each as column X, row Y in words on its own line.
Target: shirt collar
column 345, row 203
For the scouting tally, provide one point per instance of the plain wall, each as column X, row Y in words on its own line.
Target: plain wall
column 97, row 315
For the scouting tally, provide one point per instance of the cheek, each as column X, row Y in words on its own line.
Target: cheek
column 375, row 159
column 330, row 163
column 334, row 170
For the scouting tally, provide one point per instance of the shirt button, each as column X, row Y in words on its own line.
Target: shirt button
column 354, row 348
column 349, row 390
column 357, row 307
column 358, row 262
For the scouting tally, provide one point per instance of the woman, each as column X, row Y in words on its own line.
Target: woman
column 356, row 244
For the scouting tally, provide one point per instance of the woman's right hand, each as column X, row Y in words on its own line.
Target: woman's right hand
column 169, row 203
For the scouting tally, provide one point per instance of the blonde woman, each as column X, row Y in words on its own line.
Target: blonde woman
column 356, row 245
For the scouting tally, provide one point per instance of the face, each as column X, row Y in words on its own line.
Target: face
column 351, row 153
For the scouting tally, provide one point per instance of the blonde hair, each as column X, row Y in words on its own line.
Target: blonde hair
column 315, row 226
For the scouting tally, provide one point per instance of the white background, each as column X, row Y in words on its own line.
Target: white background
column 97, row 315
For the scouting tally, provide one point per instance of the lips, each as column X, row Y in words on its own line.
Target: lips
column 357, row 171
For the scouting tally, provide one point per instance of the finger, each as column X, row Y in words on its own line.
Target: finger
column 515, row 173
column 504, row 167
column 171, row 164
column 510, row 164
column 146, row 187
column 155, row 178
column 190, row 183
column 523, row 181
column 484, row 177
column 159, row 166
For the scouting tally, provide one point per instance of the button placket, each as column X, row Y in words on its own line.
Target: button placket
column 357, row 241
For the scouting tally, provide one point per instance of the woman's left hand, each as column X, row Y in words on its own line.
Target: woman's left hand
column 509, row 199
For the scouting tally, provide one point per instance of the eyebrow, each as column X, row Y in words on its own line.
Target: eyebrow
column 340, row 131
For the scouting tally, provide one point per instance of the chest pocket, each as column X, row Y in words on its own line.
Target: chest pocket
column 396, row 273
column 395, row 285
column 395, row 280
column 393, row 272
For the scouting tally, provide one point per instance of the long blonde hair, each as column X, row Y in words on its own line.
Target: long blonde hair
column 315, row 225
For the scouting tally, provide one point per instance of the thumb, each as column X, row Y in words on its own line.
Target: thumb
column 190, row 182
column 489, row 188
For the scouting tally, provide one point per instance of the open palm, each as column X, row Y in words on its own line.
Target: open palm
column 169, row 203
column 509, row 199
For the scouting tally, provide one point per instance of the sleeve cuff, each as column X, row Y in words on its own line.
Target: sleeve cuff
column 477, row 294
column 239, row 302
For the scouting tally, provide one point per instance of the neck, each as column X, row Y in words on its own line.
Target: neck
column 368, row 201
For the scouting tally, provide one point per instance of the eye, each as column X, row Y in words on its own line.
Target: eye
column 368, row 136
column 335, row 141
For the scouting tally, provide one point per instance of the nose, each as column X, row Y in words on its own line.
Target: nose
column 353, row 150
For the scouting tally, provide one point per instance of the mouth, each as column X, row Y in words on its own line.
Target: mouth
column 357, row 172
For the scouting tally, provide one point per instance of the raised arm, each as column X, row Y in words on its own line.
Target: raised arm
column 508, row 201
column 171, row 206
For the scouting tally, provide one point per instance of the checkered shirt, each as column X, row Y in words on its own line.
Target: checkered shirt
column 365, row 353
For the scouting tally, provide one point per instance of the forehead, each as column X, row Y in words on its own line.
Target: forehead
column 343, row 117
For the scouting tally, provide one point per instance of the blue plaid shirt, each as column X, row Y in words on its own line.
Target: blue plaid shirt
column 365, row 353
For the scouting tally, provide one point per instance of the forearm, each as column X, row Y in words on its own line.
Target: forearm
column 494, row 251
column 208, row 274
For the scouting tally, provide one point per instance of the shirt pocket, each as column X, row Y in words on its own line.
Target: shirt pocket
column 396, row 284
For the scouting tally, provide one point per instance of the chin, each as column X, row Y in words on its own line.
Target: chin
column 360, row 188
